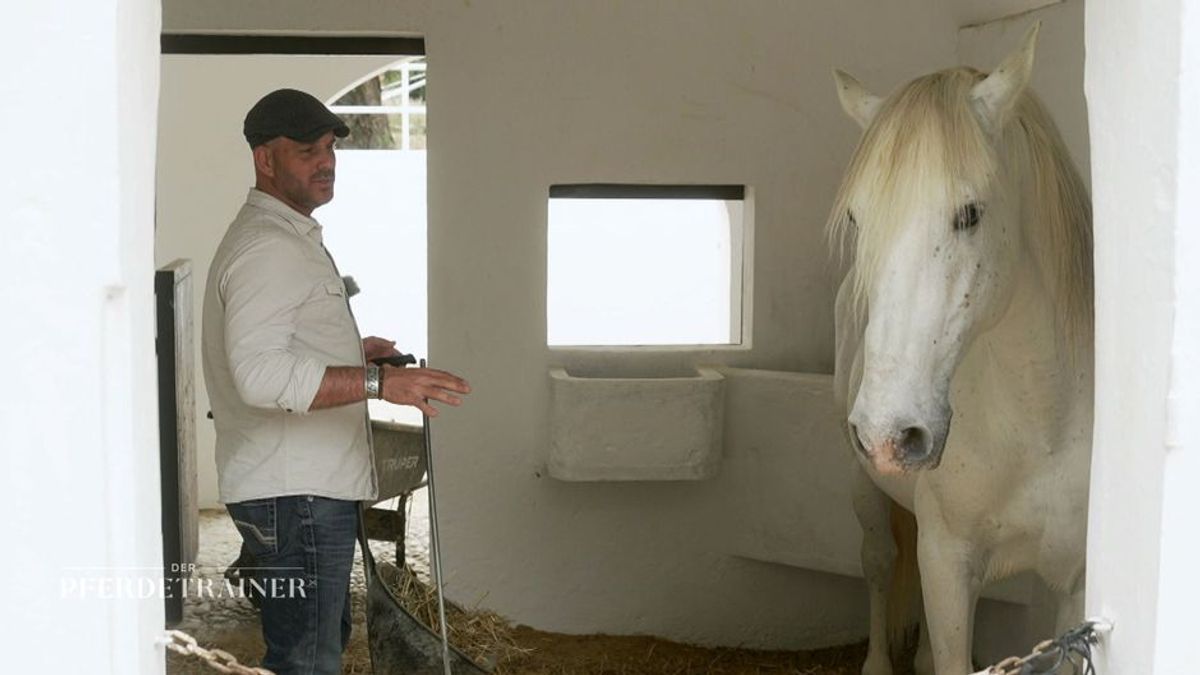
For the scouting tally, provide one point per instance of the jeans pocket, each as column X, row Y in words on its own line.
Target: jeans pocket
column 256, row 521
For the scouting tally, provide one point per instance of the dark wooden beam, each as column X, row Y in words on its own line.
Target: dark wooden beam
column 221, row 43
column 638, row 191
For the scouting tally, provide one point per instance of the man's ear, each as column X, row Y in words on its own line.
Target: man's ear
column 264, row 160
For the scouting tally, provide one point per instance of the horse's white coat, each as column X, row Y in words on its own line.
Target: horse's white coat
column 964, row 355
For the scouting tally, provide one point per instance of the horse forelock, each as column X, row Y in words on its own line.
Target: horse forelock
column 925, row 150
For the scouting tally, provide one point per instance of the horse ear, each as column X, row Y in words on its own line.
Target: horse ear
column 997, row 95
column 859, row 104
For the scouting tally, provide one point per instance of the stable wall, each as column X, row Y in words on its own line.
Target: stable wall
column 79, row 480
column 1143, row 88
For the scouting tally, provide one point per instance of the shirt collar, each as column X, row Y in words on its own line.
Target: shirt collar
column 304, row 225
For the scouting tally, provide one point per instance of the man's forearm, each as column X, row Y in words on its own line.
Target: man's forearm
column 341, row 385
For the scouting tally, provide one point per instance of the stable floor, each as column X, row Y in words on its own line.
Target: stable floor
column 231, row 624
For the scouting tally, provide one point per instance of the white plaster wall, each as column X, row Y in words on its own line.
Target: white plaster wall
column 1178, row 593
column 205, row 169
column 79, row 481
column 1142, row 94
column 976, row 12
column 295, row 17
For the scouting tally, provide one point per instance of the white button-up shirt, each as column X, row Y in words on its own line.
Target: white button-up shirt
column 275, row 316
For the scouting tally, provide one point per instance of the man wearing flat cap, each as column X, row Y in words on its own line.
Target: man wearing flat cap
column 288, row 376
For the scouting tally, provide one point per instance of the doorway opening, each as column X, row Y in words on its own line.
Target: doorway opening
column 376, row 224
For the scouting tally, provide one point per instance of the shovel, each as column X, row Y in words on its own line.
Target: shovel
column 399, row 643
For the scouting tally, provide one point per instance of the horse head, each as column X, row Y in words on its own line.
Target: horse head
column 932, row 207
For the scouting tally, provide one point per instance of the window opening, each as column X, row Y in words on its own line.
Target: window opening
column 386, row 112
column 644, row 265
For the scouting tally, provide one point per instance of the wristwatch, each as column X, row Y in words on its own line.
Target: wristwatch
column 374, row 381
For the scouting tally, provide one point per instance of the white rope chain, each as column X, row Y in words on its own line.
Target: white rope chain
column 1073, row 646
column 219, row 659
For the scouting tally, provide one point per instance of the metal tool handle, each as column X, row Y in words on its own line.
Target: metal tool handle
column 399, row 360
column 435, row 544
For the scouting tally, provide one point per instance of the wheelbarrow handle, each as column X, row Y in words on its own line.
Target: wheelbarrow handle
column 397, row 360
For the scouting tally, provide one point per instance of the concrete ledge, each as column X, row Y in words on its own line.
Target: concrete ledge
column 788, row 470
column 636, row 428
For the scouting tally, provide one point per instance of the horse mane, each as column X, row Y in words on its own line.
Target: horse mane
column 926, row 146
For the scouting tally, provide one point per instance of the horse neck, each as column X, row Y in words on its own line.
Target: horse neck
column 1028, row 329
column 1045, row 298
column 1041, row 320
column 1026, row 373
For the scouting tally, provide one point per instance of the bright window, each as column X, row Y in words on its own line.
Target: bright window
column 635, row 265
column 386, row 112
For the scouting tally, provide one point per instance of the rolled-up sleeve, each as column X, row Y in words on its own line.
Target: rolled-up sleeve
column 262, row 290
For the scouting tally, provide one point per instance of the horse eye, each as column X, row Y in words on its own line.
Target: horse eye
column 968, row 216
column 850, row 217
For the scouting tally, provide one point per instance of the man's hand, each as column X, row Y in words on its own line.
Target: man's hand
column 418, row 386
column 378, row 348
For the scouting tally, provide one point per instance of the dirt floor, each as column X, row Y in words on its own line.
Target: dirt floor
column 231, row 624
column 555, row 654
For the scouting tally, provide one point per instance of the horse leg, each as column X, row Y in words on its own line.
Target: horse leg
column 878, row 554
column 923, row 662
column 1070, row 610
column 951, row 576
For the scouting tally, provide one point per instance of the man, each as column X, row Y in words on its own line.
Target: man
column 288, row 377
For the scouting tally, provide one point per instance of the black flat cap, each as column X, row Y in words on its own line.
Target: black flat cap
column 292, row 113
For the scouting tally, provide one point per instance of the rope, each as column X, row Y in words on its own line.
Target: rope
column 1049, row 656
column 218, row 659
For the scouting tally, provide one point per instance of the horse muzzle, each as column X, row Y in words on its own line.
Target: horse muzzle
column 900, row 447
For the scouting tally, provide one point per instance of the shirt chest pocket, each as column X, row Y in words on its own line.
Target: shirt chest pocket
column 330, row 304
column 325, row 322
column 335, row 288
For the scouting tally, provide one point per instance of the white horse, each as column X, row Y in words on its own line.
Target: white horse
column 969, row 296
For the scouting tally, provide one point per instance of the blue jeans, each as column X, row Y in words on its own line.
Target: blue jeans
column 304, row 549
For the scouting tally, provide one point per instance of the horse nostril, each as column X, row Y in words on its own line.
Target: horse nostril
column 914, row 442
column 857, row 440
